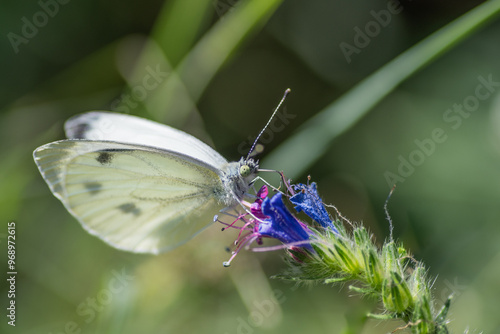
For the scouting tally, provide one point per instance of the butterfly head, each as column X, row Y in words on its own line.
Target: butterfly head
column 248, row 168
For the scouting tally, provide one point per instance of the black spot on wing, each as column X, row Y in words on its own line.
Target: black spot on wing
column 119, row 150
column 93, row 187
column 78, row 131
column 104, row 158
column 130, row 208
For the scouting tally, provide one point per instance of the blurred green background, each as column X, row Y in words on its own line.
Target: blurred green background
column 222, row 67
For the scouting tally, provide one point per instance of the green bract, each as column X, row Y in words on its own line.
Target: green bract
column 388, row 274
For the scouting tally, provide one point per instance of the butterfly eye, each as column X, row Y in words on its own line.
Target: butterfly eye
column 245, row 170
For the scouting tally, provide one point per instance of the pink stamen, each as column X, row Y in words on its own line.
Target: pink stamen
column 283, row 246
column 248, row 239
column 287, row 183
column 240, row 217
column 230, row 225
column 246, row 228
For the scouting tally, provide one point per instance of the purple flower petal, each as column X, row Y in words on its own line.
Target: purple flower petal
column 281, row 224
column 308, row 200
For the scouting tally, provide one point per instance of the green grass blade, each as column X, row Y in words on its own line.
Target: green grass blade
column 178, row 26
column 315, row 136
column 205, row 59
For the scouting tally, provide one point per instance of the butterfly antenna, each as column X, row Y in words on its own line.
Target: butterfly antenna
column 268, row 122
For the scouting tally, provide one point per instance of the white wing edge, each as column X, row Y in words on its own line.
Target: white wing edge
column 106, row 125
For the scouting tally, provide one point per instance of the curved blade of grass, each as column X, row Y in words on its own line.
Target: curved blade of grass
column 316, row 135
column 174, row 33
column 219, row 44
column 197, row 69
column 178, row 25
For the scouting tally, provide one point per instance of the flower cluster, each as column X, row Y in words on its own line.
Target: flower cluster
column 269, row 218
column 324, row 250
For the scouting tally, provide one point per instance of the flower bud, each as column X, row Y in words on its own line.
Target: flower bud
column 361, row 237
column 422, row 316
column 396, row 294
column 345, row 257
column 417, row 281
column 390, row 257
column 373, row 267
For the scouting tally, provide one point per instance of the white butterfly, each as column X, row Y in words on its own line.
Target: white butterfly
column 139, row 185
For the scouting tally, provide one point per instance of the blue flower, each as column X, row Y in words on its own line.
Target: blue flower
column 280, row 223
column 308, row 200
column 268, row 218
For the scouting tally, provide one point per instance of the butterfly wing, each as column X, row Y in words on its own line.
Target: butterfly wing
column 134, row 197
column 123, row 128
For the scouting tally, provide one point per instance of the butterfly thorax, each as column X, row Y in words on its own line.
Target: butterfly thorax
column 238, row 177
